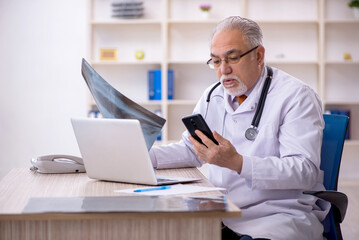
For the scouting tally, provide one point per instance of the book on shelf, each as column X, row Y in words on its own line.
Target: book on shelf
column 94, row 112
column 127, row 9
column 155, row 85
column 158, row 112
column 341, row 112
column 170, row 84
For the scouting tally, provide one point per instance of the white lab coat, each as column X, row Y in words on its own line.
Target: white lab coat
column 278, row 165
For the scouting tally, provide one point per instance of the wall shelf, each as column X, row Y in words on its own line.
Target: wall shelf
column 194, row 21
column 126, row 22
column 292, row 62
column 279, row 21
column 304, row 38
column 352, row 143
column 122, row 63
column 342, row 62
column 341, row 21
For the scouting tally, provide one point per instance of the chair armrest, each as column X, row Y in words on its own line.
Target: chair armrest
column 338, row 200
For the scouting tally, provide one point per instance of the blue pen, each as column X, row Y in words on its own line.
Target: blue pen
column 152, row 189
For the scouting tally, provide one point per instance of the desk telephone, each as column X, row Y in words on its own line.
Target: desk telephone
column 57, row 164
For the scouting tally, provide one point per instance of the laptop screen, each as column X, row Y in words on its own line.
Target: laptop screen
column 113, row 104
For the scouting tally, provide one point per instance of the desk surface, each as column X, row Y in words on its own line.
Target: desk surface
column 19, row 185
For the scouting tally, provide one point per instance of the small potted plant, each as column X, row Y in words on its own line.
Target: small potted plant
column 205, row 8
column 354, row 4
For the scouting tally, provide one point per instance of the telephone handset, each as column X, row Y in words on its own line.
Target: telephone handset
column 58, row 164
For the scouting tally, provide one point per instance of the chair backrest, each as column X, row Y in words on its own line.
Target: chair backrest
column 331, row 154
column 332, row 148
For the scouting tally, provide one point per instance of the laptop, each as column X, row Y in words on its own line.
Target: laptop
column 115, row 150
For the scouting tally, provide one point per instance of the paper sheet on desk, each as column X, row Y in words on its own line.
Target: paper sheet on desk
column 174, row 190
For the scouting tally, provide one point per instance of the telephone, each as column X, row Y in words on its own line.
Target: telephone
column 57, row 164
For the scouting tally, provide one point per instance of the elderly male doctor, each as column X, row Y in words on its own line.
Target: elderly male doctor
column 264, row 176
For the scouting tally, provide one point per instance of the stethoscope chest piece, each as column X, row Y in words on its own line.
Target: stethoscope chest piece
column 251, row 133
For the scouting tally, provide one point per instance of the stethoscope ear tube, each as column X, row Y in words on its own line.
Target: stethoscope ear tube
column 210, row 92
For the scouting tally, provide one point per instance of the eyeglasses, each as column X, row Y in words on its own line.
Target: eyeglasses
column 215, row 63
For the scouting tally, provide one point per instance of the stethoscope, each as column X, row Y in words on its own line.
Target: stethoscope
column 252, row 132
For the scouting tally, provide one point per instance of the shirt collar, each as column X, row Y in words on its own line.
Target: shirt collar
column 253, row 96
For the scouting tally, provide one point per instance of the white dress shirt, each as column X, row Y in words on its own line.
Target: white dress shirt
column 278, row 165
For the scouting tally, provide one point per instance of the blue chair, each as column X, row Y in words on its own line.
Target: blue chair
column 331, row 154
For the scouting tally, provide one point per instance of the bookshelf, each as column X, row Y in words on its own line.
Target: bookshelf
column 340, row 77
column 304, row 38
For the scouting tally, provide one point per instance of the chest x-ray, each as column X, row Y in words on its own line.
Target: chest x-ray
column 113, row 104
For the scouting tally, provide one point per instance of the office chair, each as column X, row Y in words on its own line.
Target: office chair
column 331, row 154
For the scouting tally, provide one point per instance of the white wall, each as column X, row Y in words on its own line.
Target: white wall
column 41, row 46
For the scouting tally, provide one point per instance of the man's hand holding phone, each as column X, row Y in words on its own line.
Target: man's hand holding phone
column 196, row 122
column 219, row 152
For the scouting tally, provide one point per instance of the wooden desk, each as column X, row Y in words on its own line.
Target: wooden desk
column 21, row 184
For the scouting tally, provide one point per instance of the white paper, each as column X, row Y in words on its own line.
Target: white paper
column 174, row 190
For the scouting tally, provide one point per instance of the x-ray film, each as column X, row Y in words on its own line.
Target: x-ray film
column 113, row 104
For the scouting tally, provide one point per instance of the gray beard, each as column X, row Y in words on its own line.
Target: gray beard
column 238, row 91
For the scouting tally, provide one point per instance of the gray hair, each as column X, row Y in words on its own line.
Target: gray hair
column 251, row 31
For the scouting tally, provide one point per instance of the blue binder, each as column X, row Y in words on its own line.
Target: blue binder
column 154, row 84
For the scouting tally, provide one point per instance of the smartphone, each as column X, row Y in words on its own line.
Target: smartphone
column 196, row 121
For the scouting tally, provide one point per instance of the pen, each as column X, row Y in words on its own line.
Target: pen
column 152, row 189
